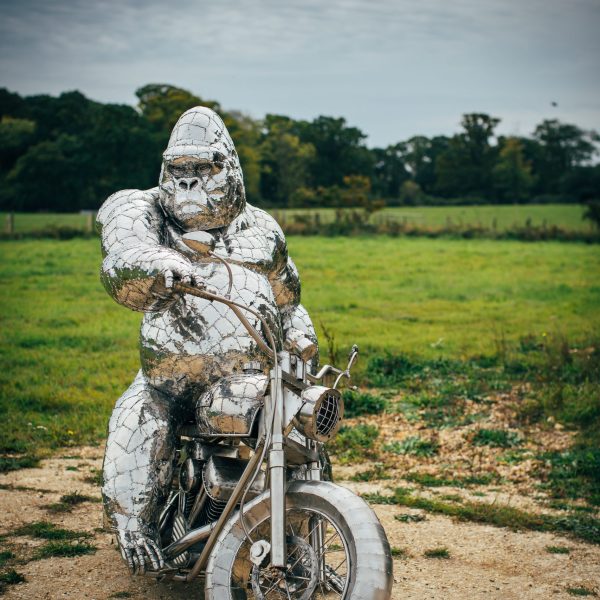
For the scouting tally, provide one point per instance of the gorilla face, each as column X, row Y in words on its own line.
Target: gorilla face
column 201, row 192
column 201, row 183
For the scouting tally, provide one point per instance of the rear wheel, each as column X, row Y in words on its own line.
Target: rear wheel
column 337, row 549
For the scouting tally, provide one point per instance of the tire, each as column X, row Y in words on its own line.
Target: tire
column 368, row 575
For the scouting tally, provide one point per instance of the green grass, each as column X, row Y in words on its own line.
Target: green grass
column 399, row 552
column 68, row 351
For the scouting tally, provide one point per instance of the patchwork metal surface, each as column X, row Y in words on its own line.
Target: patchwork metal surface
column 187, row 344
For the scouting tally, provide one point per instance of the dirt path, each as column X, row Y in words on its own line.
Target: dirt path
column 485, row 562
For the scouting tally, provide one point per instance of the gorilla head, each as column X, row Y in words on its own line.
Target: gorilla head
column 201, row 183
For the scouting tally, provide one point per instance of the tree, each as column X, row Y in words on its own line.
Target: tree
column 52, row 175
column 561, row 148
column 512, row 174
column 285, row 161
column 389, row 171
column 15, row 136
column 465, row 168
column 339, row 150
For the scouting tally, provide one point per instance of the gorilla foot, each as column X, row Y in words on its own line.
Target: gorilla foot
column 140, row 551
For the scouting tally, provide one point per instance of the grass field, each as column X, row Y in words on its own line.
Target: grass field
column 68, row 351
column 567, row 216
column 502, row 217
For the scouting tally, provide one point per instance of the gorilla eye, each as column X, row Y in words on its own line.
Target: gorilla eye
column 203, row 169
column 178, row 171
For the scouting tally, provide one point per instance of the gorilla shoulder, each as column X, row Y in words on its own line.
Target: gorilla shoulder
column 264, row 220
column 134, row 203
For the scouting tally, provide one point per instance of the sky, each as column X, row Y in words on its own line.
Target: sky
column 391, row 68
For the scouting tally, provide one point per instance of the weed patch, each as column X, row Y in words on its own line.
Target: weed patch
column 353, row 443
column 437, row 553
column 69, row 501
column 498, row 438
column 362, row 403
column 409, row 518
column 63, row 550
column 5, row 556
column 399, row 552
column 414, row 445
column 11, row 577
column 428, row 480
column 378, row 472
column 14, row 463
column 557, row 550
column 582, row 527
column 48, row 531
column 580, row 591
column 94, row 478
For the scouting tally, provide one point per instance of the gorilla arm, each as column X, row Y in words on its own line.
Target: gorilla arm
column 269, row 251
column 136, row 262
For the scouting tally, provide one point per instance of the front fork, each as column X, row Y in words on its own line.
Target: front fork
column 278, row 478
column 277, row 473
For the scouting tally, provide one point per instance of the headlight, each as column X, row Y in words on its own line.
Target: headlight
column 321, row 413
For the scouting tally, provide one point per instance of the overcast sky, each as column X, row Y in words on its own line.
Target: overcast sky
column 391, row 68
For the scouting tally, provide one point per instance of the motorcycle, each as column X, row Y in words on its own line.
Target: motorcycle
column 252, row 506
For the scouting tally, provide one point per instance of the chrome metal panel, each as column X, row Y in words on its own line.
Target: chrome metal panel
column 231, row 405
column 221, row 475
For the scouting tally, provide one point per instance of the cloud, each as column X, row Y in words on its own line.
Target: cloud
column 415, row 65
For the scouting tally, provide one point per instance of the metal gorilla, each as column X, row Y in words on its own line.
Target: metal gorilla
column 186, row 343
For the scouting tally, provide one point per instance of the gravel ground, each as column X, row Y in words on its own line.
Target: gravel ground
column 485, row 562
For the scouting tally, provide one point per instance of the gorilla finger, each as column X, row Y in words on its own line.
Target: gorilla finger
column 141, row 559
column 158, row 553
column 168, row 275
column 152, row 555
column 136, row 564
column 128, row 556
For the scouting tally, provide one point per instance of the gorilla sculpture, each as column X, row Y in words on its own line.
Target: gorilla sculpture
column 186, row 343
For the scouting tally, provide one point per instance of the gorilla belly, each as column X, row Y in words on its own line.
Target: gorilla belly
column 195, row 342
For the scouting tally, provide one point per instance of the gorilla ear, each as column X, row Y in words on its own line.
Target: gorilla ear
column 218, row 158
column 200, row 242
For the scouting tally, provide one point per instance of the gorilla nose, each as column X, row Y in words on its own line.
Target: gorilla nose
column 188, row 184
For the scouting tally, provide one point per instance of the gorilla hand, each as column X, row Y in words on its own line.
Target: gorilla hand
column 138, row 549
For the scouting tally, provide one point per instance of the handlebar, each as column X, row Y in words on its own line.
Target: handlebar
column 235, row 307
column 272, row 350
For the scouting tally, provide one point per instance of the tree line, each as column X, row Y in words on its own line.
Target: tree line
column 69, row 153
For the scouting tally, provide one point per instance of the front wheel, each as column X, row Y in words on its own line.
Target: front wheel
column 337, row 549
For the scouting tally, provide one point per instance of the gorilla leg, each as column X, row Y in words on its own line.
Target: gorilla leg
column 138, row 466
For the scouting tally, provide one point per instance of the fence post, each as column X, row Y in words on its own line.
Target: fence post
column 89, row 222
column 10, row 223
